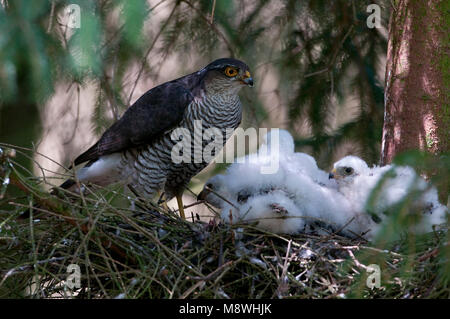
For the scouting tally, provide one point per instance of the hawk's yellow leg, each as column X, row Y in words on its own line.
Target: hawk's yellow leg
column 180, row 206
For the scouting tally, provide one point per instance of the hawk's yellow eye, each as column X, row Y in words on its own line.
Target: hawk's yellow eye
column 230, row 71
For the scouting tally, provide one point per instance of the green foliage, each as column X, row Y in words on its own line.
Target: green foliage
column 26, row 52
column 340, row 56
column 133, row 14
column 85, row 44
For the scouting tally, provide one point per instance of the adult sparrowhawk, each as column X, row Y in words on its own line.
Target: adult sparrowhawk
column 137, row 148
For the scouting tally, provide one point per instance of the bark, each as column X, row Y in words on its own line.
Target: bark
column 417, row 79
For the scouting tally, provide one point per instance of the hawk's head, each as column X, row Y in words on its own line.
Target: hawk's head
column 348, row 167
column 227, row 74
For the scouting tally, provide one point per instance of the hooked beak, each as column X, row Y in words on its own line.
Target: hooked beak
column 332, row 174
column 247, row 79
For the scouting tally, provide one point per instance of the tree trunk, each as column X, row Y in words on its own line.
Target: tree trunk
column 417, row 114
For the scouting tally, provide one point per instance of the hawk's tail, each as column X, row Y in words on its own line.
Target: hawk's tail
column 66, row 185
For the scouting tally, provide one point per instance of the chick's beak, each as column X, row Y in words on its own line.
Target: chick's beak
column 247, row 79
column 332, row 174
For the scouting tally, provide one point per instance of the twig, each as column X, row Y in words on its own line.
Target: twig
column 282, row 287
column 213, row 27
column 216, row 272
column 50, row 22
column 144, row 60
column 190, row 290
column 77, row 119
column 333, row 58
column 357, row 263
column 212, row 12
column 220, row 196
column 64, row 215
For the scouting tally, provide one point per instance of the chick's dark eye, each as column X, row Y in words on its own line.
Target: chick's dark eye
column 230, row 71
column 348, row 170
column 209, row 185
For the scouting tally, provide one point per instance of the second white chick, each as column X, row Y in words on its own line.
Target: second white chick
column 305, row 202
column 356, row 181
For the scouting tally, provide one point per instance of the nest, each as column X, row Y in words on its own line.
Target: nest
column 111, row 244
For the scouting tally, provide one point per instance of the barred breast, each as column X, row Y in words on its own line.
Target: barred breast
column 150, row 169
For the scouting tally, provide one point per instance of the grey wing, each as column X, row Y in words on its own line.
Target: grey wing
column 157, row 111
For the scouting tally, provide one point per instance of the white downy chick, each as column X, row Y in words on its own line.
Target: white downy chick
column 274, row 212
column 356, row 181
column 245, row 177
column 297, row 185
column 327, row 206
column 297, row 162
column 306, row 203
